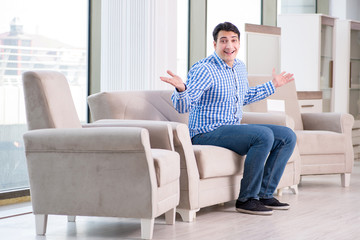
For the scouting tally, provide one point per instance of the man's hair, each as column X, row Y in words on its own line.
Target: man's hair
column 225, row 26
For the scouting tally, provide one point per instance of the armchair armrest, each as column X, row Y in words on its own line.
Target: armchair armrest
column 89, row 160
column 335, row 122
column 161, row 135
column 268, row 118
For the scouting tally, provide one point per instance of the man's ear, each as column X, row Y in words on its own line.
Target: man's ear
column 214, row 45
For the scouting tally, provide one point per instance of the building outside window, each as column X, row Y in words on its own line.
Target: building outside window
column 37, row 35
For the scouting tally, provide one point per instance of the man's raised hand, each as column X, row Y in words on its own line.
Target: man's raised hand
column 174, row 80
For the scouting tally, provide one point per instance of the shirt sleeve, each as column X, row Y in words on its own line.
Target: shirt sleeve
column 259, row 92
column 199, row 80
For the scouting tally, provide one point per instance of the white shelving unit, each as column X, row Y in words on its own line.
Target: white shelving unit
column 347, row 74
column 307, row 46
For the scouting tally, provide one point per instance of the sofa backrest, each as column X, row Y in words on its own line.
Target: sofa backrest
column 141, row 105
column 286, row 93
column 48, row 101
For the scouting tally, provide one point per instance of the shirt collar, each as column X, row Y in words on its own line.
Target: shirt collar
column 222, row 63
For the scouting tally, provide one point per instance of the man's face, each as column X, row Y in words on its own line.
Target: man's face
column 227, row 46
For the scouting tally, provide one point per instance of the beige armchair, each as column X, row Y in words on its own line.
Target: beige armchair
column 97, row 171
column 323, row 139
column 209, row 174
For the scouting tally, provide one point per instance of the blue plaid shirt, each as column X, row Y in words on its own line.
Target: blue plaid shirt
column 215, row 94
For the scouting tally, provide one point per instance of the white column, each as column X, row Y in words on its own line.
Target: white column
column 138, row 43
column 345, row 9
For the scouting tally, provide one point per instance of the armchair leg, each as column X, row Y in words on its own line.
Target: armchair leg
column 147, row 228
column 41, row 223
column 294, row 189
column 345, row 179
column 170, row 216
column 187, row 215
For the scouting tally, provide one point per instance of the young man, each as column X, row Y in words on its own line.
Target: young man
column 214, row 94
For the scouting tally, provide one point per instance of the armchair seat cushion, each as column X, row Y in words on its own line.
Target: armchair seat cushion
column 321, row 142
column 215, row 161
column 167, row 166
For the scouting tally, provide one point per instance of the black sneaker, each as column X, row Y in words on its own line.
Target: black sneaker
column 253, row 206
column 273, row 203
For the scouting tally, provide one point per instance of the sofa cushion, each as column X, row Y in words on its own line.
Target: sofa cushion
column 320, row 142
column 167, row 166
column 216, row 161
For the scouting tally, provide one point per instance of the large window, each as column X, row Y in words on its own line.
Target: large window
column 237, row 12
column 37, row 35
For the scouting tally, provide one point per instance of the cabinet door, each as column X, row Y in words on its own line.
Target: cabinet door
column 354, row 77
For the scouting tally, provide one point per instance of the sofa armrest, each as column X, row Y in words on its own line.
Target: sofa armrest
column 189, row 177
column 89, row 160
column 335, row 122
column 268, row 118
column 161, row 134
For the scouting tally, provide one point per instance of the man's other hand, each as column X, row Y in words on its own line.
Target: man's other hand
column 174, row 80
column 281, row 79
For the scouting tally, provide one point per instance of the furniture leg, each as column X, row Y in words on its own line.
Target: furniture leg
column 345, row 179
column 147, row 228
column 187, row 215
column 41, row 223
column 170, row 216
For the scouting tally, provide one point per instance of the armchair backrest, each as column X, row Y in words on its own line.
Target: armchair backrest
column 286, row 93
column 141, row 105
column 48, row 101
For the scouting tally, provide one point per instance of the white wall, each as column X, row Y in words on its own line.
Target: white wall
column 345, row 9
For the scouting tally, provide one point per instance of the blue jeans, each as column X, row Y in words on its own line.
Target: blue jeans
column 267, row 149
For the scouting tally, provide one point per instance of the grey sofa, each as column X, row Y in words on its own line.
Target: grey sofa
column 209, row 175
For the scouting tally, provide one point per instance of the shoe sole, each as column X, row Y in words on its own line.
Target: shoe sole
column 278, row 208
column 263, row 213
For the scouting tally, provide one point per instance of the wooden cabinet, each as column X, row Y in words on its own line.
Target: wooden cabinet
column 307, row 46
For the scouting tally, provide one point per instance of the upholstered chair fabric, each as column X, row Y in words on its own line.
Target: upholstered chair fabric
column 48, row 101
column 209, row 174
column 324, row 139
column 95, row 170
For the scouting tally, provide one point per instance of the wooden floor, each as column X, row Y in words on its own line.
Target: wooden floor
column 322, row 210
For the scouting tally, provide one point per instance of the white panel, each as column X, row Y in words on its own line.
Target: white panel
column 300, row 49
column 263, row 53
column 341, row 66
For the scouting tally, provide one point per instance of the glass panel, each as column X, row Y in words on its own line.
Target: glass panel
column 36, row 35
column 296, row 6
column 237, row 12
column 355, row 74
column 326, row 68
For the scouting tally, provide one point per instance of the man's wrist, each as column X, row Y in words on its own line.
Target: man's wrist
column 181, row 90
